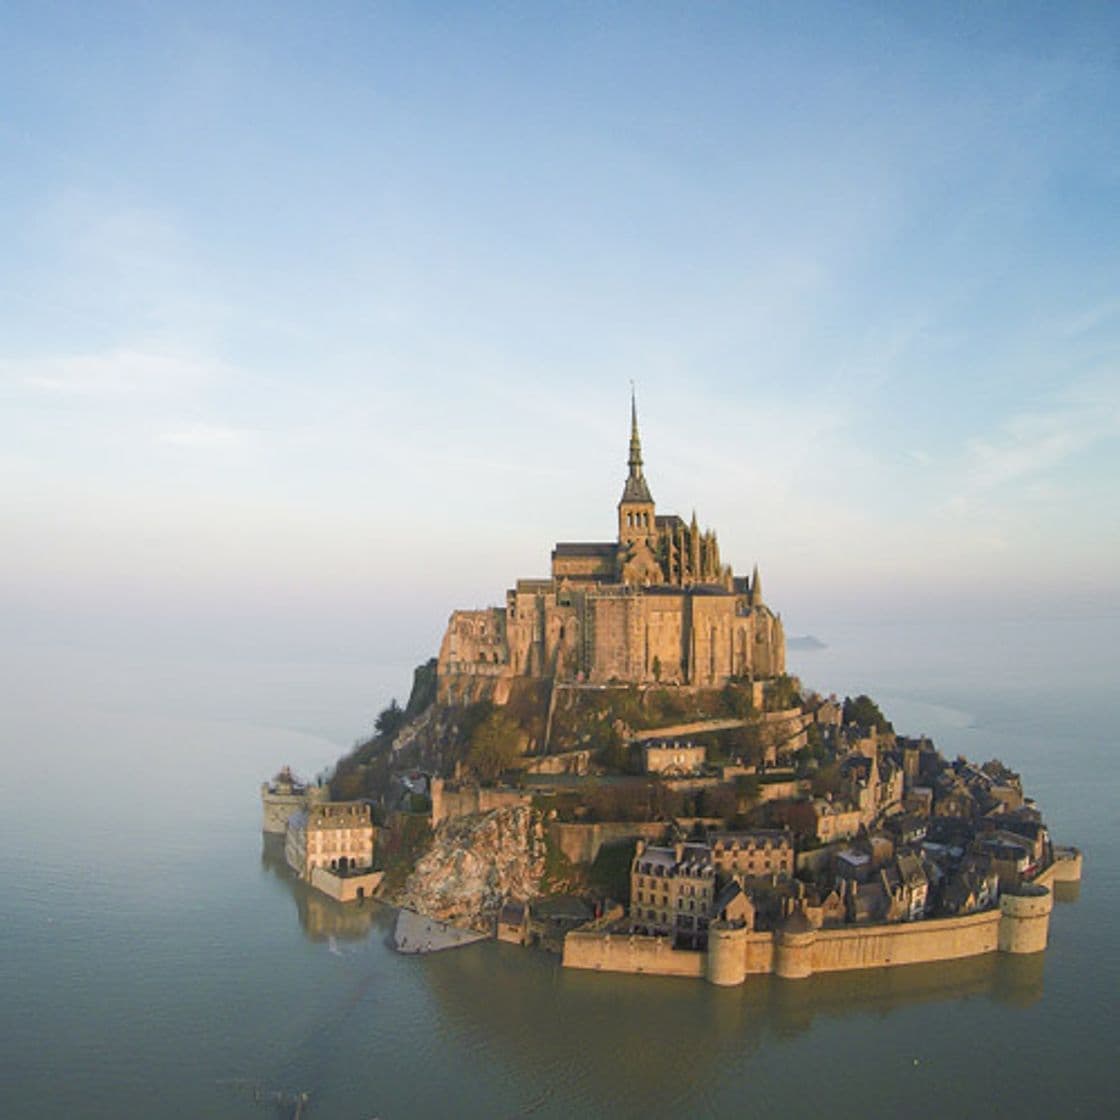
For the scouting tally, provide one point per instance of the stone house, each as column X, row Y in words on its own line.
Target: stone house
column 672, row 759
column 820, row 819
column 513, row 923
column 335, row 835
column 974, row 887
column 758, row 853
column 671, row 891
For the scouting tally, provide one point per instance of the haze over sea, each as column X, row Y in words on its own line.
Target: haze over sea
column 156, row 961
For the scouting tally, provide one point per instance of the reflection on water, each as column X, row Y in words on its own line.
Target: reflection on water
column 489, row 985
column 158, row 961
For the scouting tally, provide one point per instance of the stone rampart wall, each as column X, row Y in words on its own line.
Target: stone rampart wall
column 828, row 950
column 346, row 888
column 568, row 762
column 683, row 730
column 580, row 843
column 942, row 939
column 620, row 952
column 276, row 808
column 450, row 802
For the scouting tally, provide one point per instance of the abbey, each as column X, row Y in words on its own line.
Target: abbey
column 655, row 605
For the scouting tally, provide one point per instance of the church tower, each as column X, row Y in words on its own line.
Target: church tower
column 635, row 509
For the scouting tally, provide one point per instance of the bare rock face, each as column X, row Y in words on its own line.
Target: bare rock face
column 475, row 864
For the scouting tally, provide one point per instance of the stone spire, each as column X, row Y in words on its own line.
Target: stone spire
column 636, row 489
column 635, row 460
column 756, row 588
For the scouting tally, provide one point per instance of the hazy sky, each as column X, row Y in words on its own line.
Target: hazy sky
column 310, row 311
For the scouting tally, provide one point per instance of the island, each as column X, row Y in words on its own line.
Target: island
column 614, row 765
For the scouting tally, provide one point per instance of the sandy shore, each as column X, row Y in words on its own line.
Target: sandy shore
column 416, row 934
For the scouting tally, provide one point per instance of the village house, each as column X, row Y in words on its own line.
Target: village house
column 672, row 759
column 672, row 889
column 762, row 852
column 820, row 819
column 337, row 835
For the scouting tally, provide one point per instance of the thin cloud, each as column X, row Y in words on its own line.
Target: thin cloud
column 207, row 436
column 1026, row 447
column 114, row 374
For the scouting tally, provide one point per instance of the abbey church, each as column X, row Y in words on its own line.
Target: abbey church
column 655, row 605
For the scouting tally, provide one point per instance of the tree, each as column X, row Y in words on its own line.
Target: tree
column 737, row 700
column 390, row 720
column 748, row 786
column 616, row 751
column 495, row 743
column 782, row 693
column 865, row 712
column 656, row 667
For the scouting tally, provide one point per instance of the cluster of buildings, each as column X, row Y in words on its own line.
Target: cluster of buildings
column 905, row 835
column 677, row 890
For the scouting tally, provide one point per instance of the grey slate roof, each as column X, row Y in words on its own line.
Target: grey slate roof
column 585, row 548
column 636, row 489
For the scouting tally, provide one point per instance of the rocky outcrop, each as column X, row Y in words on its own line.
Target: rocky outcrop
column 475, row 864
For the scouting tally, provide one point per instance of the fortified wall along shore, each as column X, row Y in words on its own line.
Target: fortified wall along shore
column 1019, row 925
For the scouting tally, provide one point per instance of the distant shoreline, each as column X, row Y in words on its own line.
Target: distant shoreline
column 805, row 643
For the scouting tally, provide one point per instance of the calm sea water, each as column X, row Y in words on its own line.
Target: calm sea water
column 157, row 960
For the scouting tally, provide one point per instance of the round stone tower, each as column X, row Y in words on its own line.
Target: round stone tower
column 1025, row 919
column 727, row 953
column 793, row 958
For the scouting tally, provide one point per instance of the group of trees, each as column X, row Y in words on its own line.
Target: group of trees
column 495, row 744
column 864, row 712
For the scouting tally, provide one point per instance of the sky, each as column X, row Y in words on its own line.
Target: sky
column 318, row 321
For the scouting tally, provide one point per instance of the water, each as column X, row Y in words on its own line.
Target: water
column 157, row 960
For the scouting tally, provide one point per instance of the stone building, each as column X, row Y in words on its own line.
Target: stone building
column 655, row 604
column 754, row 854
column 821, row 819
column 337, row 836
column 672, row 889
column 286, row 795
column 672, row 759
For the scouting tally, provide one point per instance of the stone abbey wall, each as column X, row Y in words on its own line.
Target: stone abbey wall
column 611, row 633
